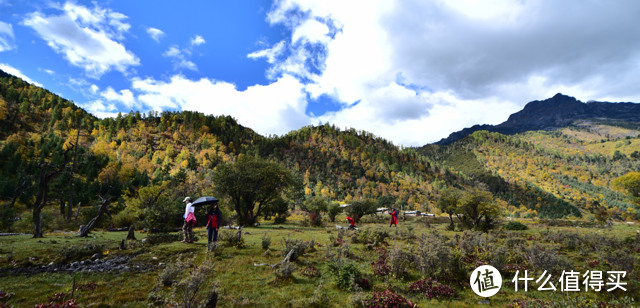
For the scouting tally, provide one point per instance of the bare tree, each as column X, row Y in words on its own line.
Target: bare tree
column 84, row 231
column 43, row 188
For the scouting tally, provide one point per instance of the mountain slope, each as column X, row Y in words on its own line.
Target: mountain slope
column 554, row 113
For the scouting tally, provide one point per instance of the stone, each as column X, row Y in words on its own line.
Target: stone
column 484, row 302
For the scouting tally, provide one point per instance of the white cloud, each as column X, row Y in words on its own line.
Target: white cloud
column 274, row 109
column 197, row 40
column 94, row 89
column 125, row 97
column 312, row 31
column 100, row 110
column 6, row 37
column 270, row 53
column 16, row 72
column 86, row 37
column 155, row 34
column 178, row 58
column 423, row 69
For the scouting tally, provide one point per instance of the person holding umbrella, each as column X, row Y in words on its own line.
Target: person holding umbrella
column 189, row 221
column 214, row 217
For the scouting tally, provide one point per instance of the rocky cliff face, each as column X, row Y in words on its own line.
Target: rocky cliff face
column 556, row 112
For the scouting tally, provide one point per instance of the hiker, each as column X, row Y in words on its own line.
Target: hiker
column 352, row 223
column 214, row 217
column 394, row 218
column 189, row 221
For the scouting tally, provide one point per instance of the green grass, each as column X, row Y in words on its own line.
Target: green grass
column 244, row 285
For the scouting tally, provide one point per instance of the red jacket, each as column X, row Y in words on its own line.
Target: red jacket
column 214, row 219
column 394, row 217
column 351, row 221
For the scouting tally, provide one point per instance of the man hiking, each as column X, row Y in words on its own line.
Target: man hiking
column 189, row 221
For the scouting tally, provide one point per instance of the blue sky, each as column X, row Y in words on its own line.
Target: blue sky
column 410, row 71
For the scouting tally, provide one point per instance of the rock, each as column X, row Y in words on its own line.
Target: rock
column 96, row 256
column 484, row 302
column 266, row 253
column 160, row 264
column 155, row 258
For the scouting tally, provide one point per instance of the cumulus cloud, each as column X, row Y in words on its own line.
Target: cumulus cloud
column 87, row 38
column 125, row 97
column 16, row 72
column 197, row 40
column 155, row 34
column 6, row 36
column 100, row 110
column 463, row 62
column 274, row 109
column 179, row 59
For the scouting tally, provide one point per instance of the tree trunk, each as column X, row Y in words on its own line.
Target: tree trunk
column 73, row 169
column 103, row 208
column 37, row 223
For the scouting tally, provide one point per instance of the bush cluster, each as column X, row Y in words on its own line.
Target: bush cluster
column 515, row 226
column 388, row 299
column 432, row 289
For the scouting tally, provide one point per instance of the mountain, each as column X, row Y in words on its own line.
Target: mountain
column 554, row 113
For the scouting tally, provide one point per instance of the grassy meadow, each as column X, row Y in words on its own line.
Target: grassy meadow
column 576, row 245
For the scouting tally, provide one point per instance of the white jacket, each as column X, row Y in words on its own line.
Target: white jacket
column 188, row 209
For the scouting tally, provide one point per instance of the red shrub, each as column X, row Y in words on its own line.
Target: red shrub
column 432, row 289
column 388, row 299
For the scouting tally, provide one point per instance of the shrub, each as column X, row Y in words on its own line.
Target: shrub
column 196, row 289
column 515, row 226
column 399, row 261
column 124, row 218
column 333, row 210
column 432, row 289
column 310, row 271
column 380, row 267
column 173, row 271
column 298, row 247
column 433, row 255
column 541, row 260
column 190, row 286
column 319, row 299
column 266, row 242
column 232, row 238
column 346, row 274
column 388, row 299
column 216, row 249
column 285, row 271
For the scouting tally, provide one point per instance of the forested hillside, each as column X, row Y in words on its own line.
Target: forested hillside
column 137, row 155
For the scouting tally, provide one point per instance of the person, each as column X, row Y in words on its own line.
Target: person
column 214, row 217
column 352, row 223
column 189, row 217
column 394, row 218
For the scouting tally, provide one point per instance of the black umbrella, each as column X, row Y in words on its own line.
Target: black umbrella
column 204, row 201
